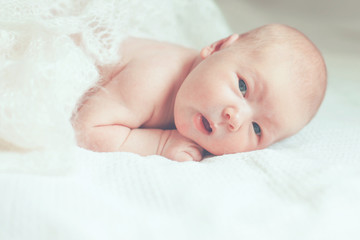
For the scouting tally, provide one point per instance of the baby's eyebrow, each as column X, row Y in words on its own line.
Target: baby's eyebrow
column 259, row 88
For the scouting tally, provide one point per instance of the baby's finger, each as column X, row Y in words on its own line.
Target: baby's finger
column 183, row 157
column 196, row 153
column 192, row 153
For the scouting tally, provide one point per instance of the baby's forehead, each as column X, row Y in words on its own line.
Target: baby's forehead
column 284, row 107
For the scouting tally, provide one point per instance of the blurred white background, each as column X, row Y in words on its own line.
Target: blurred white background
column 334, row 26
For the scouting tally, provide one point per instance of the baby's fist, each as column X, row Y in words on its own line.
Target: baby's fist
column 180, row 148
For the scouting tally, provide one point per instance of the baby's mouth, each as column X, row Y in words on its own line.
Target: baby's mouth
column 206, row 124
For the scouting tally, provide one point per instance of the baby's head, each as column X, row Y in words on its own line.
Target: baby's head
column 248, row 91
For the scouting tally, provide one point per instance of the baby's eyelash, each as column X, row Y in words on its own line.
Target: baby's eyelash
column 257, row 129
column 242, row 86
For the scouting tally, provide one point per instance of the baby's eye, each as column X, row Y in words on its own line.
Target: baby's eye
column 257, row 128
column 242, row 87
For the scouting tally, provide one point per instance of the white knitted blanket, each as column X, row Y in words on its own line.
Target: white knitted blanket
column 305, row 187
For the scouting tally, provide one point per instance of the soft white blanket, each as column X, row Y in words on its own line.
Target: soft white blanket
column 305, row 187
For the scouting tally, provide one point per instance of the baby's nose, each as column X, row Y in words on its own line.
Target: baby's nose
column 236, row 116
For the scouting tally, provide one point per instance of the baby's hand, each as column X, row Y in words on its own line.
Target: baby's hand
column 180, row 148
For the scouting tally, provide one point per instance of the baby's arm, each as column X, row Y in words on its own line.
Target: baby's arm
column 100, row 126
column 168, row 143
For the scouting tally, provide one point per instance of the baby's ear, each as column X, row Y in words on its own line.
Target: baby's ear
column 218, row 45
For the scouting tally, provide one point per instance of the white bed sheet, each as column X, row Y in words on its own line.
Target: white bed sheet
column 305, row 187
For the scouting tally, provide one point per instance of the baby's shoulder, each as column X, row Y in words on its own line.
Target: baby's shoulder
column 146, row 80
column 152, row 65
column 140, row 79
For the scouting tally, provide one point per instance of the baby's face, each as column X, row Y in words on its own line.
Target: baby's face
column 233, row 102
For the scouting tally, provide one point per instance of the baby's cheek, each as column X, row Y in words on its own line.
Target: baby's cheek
column 215, row 147
column 228, row 146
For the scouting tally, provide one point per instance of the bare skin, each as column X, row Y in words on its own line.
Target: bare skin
column 173, row 101
column 133, row 111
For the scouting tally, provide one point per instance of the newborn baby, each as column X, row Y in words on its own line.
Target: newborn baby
column 241, row 93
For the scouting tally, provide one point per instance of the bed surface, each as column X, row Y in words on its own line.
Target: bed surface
column 305, row 187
